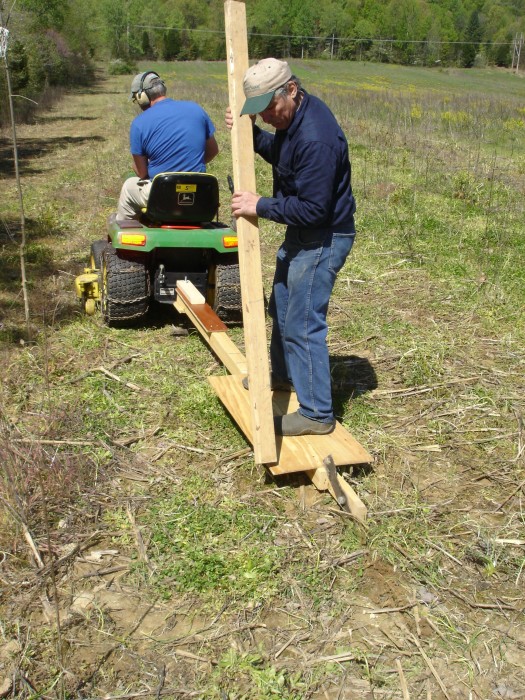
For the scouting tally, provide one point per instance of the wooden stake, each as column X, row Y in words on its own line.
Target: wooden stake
column 431, row 667
column 264, row 446
column 402, row 680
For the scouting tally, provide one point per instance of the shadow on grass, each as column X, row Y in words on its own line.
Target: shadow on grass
column 294, row 480
column 36, row 230
column 48, row 119
column 102, row 90
column 40, row 266
column 38, row 260
column 29, row 149
column 161, row 315
column 352, row 376
column 45, row 311
column 50, row 310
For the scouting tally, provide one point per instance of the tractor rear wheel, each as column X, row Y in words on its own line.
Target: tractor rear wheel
column 125, row 289
column 225, row 289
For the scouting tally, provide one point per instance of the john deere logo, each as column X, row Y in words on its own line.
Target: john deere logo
column 186, row 199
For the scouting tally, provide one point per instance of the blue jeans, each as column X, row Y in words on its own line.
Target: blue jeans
column 306, row 268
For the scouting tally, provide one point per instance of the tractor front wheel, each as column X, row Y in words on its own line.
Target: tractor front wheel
column 90, row 306
column 125, row 289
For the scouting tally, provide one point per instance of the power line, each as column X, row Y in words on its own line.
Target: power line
column 327, row 38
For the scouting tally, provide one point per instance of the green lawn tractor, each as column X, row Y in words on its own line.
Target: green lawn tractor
column 177, row 237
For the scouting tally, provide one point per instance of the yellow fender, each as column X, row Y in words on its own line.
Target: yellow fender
column 88, row 290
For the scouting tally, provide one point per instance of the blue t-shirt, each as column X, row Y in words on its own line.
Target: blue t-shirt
column 172, row 134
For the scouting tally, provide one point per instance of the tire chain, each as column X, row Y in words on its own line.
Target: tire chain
column 127, row 301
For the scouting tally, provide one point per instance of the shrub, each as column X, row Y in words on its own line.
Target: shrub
column 122, row 67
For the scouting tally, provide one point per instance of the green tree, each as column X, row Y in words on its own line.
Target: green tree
column 364, row 31
column 146, row 50
column 495, row 18
column 304, row 25
column 441, row 32
column 152, row 17
column 216, row 43
column 82, row 37
column 473, row 39
column 501, row 53
column 45, row 14
column 407, row 21
column 50, row 45
column 267, row 29
column 171, row 44
column 339, row 17
column 114, row 17
column 195, row 14
column 17, row 62
column 123, row 37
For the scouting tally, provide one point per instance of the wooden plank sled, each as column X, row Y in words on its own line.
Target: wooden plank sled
column 294, row 454
column 315, row 455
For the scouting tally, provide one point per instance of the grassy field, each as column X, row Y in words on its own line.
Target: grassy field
column 143, row 554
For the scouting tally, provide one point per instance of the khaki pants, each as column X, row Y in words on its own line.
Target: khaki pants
column 133, row 197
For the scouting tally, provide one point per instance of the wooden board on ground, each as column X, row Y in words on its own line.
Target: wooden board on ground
column 294, row 454
column 213, row 330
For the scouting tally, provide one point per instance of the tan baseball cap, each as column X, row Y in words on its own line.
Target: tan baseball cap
column 261, row 81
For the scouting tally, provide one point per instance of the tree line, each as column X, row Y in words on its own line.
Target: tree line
column 450, row 32
column 57, row 42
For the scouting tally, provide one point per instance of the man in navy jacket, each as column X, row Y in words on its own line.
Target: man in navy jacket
column 312, row 195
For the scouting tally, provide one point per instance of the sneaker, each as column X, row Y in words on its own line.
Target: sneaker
column 276, row 384
column 297, row 424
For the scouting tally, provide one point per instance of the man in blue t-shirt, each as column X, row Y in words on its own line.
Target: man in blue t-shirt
column 169, row 136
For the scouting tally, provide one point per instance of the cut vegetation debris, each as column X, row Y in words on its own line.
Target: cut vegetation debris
column 143, row 553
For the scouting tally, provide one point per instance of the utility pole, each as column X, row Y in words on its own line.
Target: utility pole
column 516, row 52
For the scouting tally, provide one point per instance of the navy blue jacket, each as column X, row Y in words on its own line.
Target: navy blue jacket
column 311, row 171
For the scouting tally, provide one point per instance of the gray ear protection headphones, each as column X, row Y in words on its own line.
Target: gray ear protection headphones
column 141, row 96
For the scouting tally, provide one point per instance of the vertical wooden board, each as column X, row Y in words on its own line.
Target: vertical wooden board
column 264, row 446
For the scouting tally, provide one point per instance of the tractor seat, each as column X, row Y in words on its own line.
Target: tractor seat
column 183, row 198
